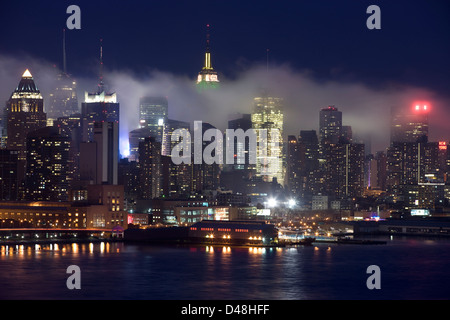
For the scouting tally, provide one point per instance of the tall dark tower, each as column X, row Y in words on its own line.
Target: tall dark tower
column 47, row 177
column 207, row 77
column 25, row 110
column 63, row 101
column 330, row 125
column 99, row 106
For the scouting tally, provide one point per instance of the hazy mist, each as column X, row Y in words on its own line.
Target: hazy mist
column 364, row 108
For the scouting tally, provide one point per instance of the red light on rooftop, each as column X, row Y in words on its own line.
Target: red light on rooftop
column 421, row 106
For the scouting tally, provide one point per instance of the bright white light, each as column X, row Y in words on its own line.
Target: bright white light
column 271, row 202
column 160, row 122
column 417, row 107
column 291, row 203
column 27, row 74
column 424, row 107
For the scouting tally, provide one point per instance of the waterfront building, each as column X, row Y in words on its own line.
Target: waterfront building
column 39, row 214
column 249, row 232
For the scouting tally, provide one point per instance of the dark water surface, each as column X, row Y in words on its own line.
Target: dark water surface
column 413, row 268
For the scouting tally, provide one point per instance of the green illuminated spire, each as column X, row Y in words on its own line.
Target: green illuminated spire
column 207, row 77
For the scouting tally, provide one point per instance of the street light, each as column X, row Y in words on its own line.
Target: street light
column 272, row 202
column 291, row 203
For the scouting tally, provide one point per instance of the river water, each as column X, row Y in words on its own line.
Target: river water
column 410, row 268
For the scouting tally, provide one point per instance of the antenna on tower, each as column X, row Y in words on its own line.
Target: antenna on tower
column 207, row 38
column 267, row 60
column 101, row 66
column 64, row 52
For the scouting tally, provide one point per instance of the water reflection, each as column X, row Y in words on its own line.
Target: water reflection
column 66, row 248
column 222, row 272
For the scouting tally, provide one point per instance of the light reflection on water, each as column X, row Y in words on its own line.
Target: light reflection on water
column 114, row 270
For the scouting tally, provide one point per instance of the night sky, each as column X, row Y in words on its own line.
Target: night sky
column 326, row 39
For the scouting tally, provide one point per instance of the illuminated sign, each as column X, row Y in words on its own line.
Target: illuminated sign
column 442, row 145
column 420, row 212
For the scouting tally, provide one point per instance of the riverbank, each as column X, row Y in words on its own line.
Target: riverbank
column 56, row 241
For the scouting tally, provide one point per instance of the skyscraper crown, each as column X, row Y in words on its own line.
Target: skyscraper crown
column 27, row 84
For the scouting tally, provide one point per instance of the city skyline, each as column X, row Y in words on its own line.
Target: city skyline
column 225, row 150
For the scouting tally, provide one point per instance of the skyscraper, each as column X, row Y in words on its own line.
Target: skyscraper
column 99, row 158
column 244, row 122
column 345, row 170
column 330, row 125
column 25, row 110
column 9, row 183
column 408, row 124
column 47, row 176
column 205, row 176
column 150, row 168
column 268, row 115
column 169, row 127
column 63, row 101
column 153, row 113
column 207, row 77
column 99, row 106
column 311, row 175
column 293, row 166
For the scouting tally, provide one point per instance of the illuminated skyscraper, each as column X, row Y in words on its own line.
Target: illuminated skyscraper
column 169, row 127
column 344, row 170
column 153, row 112
column 410, row 124
column 98, row 106
column 63, row 101
column 47, row 177
column 207, row 77
column 25, row 110
column 268, row 115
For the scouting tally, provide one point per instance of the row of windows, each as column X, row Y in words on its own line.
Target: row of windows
column 221, row 229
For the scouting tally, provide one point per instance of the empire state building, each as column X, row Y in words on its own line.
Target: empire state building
column 207, row 77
